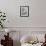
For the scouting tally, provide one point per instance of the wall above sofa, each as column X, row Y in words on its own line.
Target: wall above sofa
column 37, row 13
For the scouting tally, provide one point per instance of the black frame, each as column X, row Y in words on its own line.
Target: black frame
column 27, row 11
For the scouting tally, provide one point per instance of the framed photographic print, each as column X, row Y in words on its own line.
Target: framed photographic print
column 24, row 11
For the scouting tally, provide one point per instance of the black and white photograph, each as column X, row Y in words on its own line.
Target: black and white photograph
column 24, row 11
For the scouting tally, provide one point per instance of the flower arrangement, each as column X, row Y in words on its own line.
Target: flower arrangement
column 2, row 19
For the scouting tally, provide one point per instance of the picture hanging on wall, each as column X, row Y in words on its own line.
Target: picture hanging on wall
column 24, row 11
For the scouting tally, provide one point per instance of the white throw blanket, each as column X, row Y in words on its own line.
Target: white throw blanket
column 1, row 45
column 27, row 44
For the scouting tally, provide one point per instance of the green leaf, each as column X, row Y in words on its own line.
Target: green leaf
column 0, row 21
column 0, row 12
column 4, row 16
column 2, row 26
column 1, row 16
column 4, row 13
